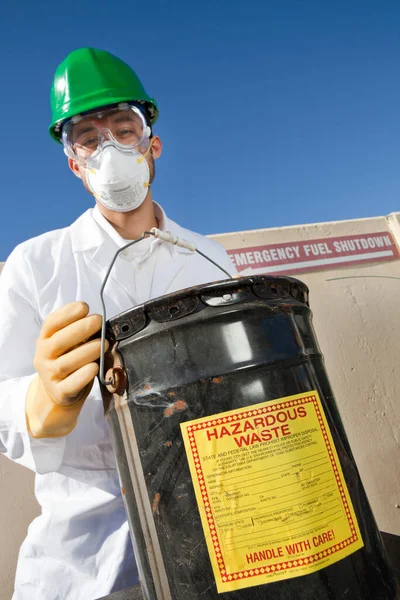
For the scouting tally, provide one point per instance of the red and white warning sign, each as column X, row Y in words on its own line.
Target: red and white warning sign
column 312, row 255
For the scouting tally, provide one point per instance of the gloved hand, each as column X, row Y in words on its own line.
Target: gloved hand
column 64, row 361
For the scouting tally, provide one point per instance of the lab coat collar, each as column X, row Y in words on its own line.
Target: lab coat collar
column 91, row 229
column 99, row 241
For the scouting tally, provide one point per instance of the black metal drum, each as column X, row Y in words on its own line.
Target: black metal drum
column 237, row 475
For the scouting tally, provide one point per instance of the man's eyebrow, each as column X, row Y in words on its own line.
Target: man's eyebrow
column 119, row 118
column 77, row 131
column 81, row 129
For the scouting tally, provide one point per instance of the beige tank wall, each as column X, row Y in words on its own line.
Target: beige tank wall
column 358, row 327
column 356, row 318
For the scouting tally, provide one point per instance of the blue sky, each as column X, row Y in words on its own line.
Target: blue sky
column 272, row 113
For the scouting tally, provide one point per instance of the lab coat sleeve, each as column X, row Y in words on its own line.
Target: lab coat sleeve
column 19, row 329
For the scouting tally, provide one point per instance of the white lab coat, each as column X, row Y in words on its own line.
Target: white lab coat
column 79, row 547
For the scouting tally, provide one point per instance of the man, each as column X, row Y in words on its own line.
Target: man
column 51, row 414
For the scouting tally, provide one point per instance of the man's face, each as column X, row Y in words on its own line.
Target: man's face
column 125, row 127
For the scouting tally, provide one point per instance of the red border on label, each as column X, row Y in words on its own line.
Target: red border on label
column 291, row 564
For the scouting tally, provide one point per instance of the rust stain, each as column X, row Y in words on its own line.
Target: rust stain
column 123, row 491
column 286, row 307
column 171, row 394
column 155, row 503
column 168, row 444
column 217, row 379
column 147, row 387
column 175, row 407
column 180, row 405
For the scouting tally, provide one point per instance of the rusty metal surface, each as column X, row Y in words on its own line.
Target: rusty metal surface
column 247, row 342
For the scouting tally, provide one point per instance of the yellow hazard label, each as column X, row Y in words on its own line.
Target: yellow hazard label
column 270, row 490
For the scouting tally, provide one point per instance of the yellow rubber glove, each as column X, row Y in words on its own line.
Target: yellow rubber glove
column 64, row 361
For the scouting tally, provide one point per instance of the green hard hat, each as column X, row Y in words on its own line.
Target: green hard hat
column 88, row 79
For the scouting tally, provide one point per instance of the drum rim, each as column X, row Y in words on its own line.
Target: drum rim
column 225, row 285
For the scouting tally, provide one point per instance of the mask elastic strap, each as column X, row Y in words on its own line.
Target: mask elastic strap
column 142, row 158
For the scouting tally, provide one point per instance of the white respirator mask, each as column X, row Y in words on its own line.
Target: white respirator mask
column 118, row 179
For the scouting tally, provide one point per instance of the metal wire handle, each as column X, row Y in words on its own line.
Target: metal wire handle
column 166, row 236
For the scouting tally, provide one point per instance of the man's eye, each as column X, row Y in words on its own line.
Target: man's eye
column 90, row 142
column 125, row 132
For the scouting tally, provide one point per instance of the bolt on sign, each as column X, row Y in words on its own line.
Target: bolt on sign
column 270, row 491
column 312, row 255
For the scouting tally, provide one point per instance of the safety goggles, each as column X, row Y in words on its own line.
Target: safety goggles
column 124, row 126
